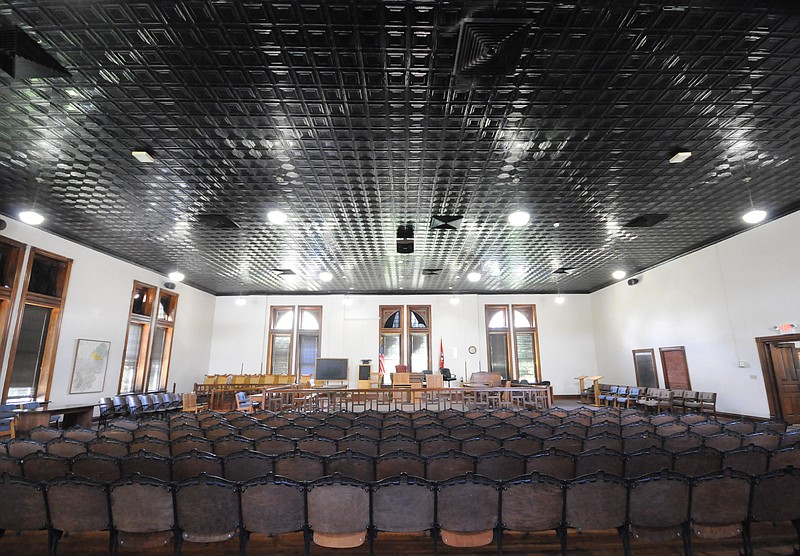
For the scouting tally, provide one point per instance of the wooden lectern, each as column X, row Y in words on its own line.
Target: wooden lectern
column 583, row 397
column 596, row 380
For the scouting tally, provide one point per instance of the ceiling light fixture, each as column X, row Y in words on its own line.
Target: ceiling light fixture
column 241, row 301
column 31, row 217
column 679, row 157
column 754, row 215
column 474, row 276
column 519, row 218
column 277, row 217
column 143, row 156
column 325, row 276
column 347, row 300
column 176, row 276
column 559, row 298
column 454, row 300
column 619, row 274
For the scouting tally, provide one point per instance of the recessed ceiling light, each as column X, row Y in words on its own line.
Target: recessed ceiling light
column 176, row 276
column 680, row 157
column 325, row 276
column 240, row 301
column 143, row 156
column 560, row 299
column 31, row 217
column 519, row 218
column 474, row 276
column 556, row 224
column 277, row 217
column 753, row 217
column 619, row 274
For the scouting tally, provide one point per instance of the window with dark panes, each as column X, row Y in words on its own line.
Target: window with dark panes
column 33, row 350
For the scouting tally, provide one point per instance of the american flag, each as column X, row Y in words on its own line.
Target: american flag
column 381, row 362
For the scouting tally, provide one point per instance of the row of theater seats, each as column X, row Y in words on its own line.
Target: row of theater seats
column 430, row 423
column 466, row 510
column 219, row 439
column 299, row 465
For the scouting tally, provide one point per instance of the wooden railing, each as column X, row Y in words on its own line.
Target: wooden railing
column 406, row 399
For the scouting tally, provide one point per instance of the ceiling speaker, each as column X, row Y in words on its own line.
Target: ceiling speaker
column 633, row 281
column 405, row 246
column 3, row 224
column 170, row 285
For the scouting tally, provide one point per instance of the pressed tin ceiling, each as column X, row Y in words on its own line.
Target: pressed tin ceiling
column 351, row 117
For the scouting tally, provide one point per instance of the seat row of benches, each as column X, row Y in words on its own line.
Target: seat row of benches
column 340, row 512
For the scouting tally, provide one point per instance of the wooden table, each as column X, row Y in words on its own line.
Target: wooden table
column 74, row 414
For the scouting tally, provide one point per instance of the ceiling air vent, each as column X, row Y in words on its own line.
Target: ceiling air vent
column 283, row 271
column 217, row 222
column 490, row 46
column 446, row 223
column 646, row 220
column 21, row 57
column 565, row 270
column 431, row 271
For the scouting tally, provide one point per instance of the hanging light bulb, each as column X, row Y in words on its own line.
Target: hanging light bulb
column 454, row 300
column 559, row 298
column 241, row 301
column 754, row 215
column 347, row 300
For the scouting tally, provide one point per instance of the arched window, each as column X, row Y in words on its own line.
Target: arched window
column 517, row 337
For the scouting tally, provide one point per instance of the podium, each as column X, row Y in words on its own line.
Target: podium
column 596, row 381
column 582, row 381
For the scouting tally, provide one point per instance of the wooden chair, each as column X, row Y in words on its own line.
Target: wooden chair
column 143, row 512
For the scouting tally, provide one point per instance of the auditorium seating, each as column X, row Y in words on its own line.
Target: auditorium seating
column 585, row 455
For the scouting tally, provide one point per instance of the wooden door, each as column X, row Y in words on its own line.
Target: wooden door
column 676, row 369
column 786, row 368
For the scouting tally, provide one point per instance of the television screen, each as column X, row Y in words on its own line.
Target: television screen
column 331, row 369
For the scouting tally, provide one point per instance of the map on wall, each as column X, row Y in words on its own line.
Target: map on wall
column 89, row 371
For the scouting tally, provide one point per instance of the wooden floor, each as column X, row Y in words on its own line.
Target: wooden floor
column 770, row 540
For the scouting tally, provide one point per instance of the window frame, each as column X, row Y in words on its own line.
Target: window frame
column 315, row 333
column 150, row 322
column 511, row 333
column 419, row 331
column 8, row 295
column 56, row 305
column 386, row 311
column 534, row 331
column 168, row 325
column 293, row 334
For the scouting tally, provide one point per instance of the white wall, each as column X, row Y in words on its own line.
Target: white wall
column 96, row 308
column 715, row 302
column 565, row 332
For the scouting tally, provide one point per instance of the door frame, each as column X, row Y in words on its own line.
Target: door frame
column 768, row 371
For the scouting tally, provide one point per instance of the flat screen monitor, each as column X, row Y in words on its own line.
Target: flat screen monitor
column 331, row 369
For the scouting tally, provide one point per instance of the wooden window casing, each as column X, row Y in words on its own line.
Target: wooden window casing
column 45, row 286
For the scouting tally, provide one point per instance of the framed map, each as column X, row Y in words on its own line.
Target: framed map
column 89, row 370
